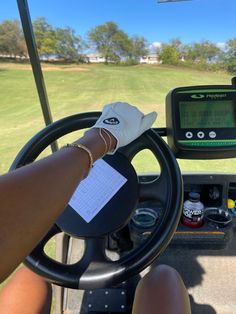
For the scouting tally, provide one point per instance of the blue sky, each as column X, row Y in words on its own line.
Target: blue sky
column 188, row 20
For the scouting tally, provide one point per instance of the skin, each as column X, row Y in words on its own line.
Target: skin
column 33, row 196
column 26, row 293
column 31, row 199
column 161, row 291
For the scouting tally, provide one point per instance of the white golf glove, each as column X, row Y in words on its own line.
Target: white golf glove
column 124, row 122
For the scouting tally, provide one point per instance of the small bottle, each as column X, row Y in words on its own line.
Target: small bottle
column 193, row 211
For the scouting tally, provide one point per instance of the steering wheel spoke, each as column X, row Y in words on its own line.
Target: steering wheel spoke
column 130, row 150
column 95, row 250
column 50, row 234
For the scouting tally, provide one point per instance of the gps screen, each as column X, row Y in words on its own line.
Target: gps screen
column 207, row 114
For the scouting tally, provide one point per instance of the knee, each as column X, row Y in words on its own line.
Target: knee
column 161, row 275
column 165, row 269
column 162, row 284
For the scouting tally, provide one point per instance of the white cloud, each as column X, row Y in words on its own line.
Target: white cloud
column 156, row 45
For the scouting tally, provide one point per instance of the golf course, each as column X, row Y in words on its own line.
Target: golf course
column 81, row 88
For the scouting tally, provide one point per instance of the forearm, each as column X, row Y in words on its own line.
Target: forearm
column 32, row 197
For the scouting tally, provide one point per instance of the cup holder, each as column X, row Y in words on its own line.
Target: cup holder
column 217, row 217
column 145, row 217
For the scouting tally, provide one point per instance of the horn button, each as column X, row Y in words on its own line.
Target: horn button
column 115, row 214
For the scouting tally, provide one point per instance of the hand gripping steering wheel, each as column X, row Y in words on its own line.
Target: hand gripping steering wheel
column 95, row 269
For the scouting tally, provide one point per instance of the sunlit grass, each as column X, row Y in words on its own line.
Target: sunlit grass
column 87, row 88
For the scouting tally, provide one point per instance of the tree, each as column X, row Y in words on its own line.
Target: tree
column 110, row 41
column 176, row 43
column 230, row 55
column 203, row 51
column 231, row 48
column 68, row 44
column 169, row 55
column 45, row 37
column 12, row 39
column 138, row 47
column 61, row 42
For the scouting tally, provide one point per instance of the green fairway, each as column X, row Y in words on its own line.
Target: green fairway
column 87, row 88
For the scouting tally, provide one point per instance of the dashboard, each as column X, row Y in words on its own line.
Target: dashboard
column 201, row 124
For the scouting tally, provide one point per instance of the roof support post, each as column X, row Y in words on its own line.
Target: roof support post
column 35, row 63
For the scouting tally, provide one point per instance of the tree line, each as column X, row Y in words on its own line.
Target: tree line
column 63, row 43
column 115, row 45
column 60, row 42
column 201, row 55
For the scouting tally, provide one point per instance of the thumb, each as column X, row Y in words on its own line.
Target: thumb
column 148, row 121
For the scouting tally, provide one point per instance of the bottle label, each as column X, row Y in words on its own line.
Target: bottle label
column 192, row 217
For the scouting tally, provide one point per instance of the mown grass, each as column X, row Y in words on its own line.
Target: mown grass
column 87, row 88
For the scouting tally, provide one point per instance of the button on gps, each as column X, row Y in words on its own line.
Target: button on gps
column 188, row 134
column 200, row 134
column 212, row 134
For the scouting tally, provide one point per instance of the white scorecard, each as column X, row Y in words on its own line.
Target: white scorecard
column 94, row 192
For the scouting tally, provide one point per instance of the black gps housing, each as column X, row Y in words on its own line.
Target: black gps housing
column 201, row 121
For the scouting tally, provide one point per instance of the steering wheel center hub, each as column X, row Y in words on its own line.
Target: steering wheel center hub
column 115, row 214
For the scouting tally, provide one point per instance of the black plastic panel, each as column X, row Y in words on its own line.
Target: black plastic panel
column 214, row 189
column 201, row 140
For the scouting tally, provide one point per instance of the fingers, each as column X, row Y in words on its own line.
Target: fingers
column 125, row 122
column 123, row 109
column 148, row 120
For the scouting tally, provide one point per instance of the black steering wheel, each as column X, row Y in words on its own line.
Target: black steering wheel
column 95, row 269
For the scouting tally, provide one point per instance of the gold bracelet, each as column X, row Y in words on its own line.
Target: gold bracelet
column 104, row 141
column 109, row 137
column 84, row 148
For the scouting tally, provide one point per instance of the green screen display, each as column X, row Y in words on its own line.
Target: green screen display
column 207, row 114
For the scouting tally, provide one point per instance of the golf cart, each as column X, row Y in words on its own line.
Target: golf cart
column 146, row 214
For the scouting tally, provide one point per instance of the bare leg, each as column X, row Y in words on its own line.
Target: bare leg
column 161, row 291
column 26, row 293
